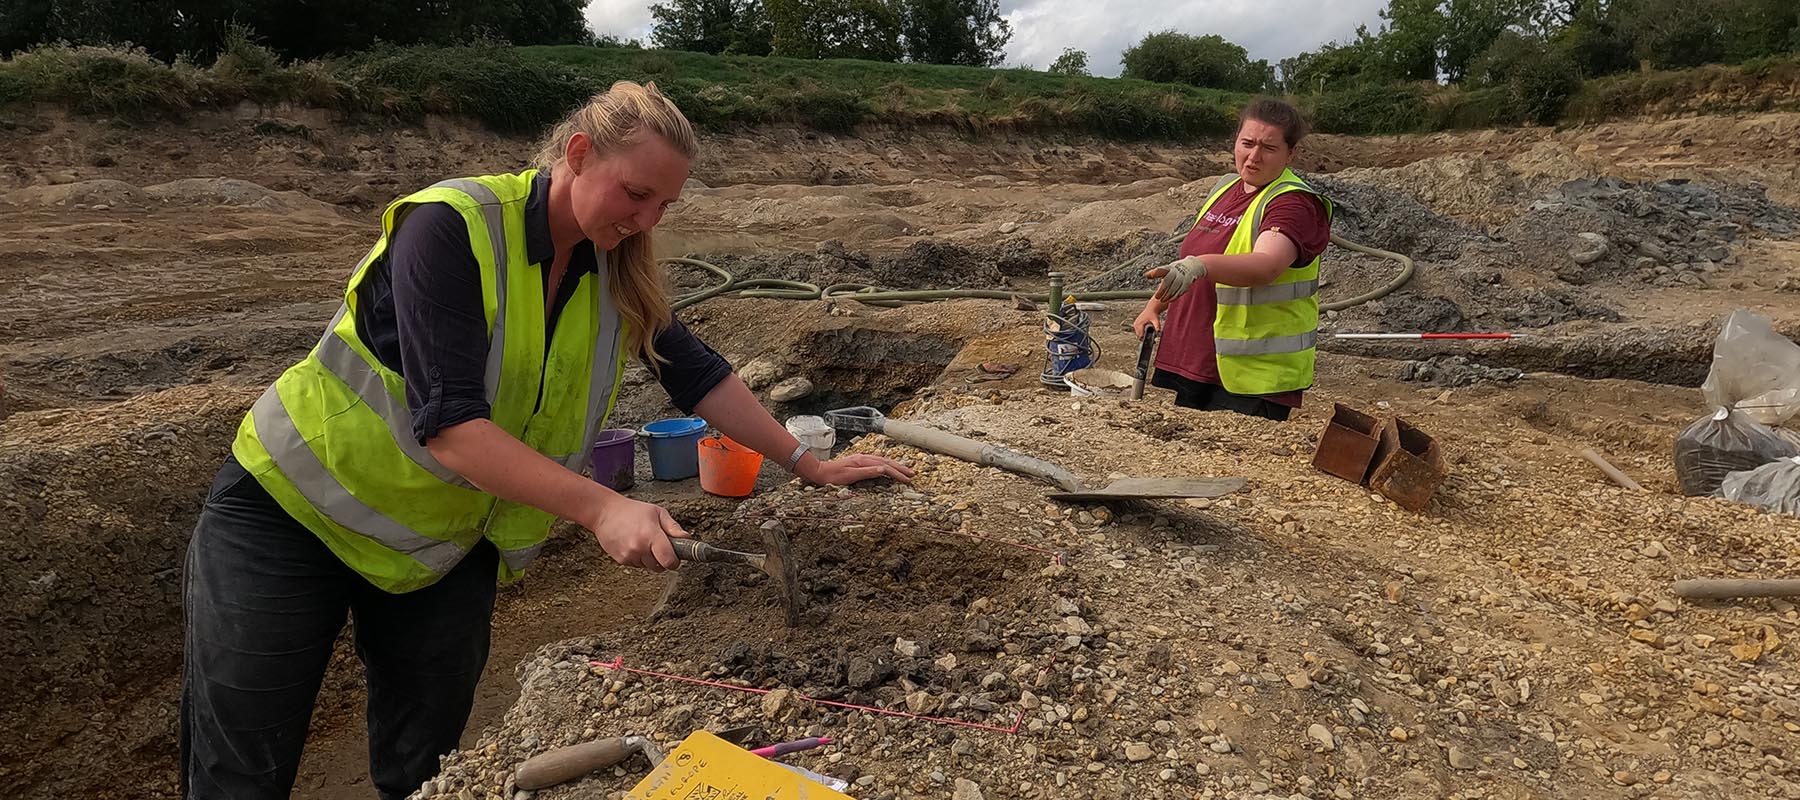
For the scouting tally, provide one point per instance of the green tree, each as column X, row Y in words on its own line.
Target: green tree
column 1538, row 78
column 1760, row 28
column 1676, row 34
column 1336, row 66
column 1407, row 45
column 1471, row 26
column 711, row 26
column 967, row 32
column 1591, row 35
column 1071, row 62
column 865, row 29
column 1209, row 61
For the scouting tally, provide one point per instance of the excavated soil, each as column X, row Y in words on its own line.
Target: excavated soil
column 1517, row 639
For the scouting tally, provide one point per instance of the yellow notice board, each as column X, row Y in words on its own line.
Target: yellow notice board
column 706, row 767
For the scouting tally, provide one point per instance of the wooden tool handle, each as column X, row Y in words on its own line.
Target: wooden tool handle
column 1715, row 588
column 1609, row 470
column 568, row 763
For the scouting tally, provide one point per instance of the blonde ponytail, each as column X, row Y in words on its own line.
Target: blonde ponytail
column 615, row 119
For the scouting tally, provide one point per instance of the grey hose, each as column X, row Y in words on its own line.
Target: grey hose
column 869, row 295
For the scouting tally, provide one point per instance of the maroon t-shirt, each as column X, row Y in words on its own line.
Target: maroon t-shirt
column 1187, row 347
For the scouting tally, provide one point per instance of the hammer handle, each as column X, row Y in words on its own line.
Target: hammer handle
column 568, row 763
column 696, row 550
column 1143, row 362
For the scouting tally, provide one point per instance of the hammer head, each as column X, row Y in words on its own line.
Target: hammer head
column 779, row 564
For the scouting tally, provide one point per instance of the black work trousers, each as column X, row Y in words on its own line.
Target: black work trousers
column 264, row 603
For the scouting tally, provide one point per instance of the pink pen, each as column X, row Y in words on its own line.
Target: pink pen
column 791, row 747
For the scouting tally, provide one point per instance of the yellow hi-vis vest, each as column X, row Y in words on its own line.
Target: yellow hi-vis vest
column 1264, row 335
column 332, row 439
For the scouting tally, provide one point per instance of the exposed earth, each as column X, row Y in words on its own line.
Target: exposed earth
column 1518, row 638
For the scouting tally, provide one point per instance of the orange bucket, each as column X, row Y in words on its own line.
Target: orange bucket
column 728, row 469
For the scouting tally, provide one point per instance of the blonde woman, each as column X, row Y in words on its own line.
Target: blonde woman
column 428, row 442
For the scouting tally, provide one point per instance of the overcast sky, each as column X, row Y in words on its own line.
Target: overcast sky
column 1269, row 29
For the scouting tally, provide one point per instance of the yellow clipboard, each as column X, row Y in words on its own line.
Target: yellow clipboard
column 706, row 767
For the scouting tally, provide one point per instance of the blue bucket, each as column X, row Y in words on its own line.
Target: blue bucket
column 1066, row 345
column 675, row 447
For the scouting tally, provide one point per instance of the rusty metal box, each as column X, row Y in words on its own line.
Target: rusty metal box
column 1347, row 447
column 1409, row 467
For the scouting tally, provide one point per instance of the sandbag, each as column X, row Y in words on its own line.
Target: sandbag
column 1774, row 486
column 1724, row 442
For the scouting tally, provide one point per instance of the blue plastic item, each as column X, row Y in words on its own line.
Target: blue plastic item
column 1067, row 346
column 675, row 447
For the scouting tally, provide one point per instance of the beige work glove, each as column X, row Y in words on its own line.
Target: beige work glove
column 1177, row 277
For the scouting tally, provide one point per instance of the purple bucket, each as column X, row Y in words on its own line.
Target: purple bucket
column 614, row 457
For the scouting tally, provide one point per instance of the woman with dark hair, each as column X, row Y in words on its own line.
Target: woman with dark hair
column 1242, row 302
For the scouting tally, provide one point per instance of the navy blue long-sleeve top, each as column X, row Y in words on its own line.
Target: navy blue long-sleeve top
column 420, row 312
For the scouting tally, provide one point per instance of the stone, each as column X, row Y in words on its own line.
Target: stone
column 1008, row 227
column 1138, row 751
column 1399, row 734
column 1589, row 247
column 967, row 790
column 796, row 388
column 1322, row 735
column 907, row 648
column 780, row 704
column 759, row 374
column 923, row 702
column 1459, row 759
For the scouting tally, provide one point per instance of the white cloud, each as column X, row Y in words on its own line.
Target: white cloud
column 626, row 19
column 1272, row 29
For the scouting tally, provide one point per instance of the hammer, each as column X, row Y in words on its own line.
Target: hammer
column 775, row 562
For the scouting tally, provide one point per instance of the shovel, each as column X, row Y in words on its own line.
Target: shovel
column 866, row 419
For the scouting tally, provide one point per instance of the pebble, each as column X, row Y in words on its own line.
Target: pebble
column 1221, row 745
column 1399, row 734
column 1138, row 751
column 1322, row 735
column 1458, row 759
column 967, row 790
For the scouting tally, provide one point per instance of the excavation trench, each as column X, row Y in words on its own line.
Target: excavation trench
column 105, row 496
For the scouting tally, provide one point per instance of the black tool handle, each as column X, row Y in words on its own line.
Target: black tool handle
column 696, row 550
column 1143, row 364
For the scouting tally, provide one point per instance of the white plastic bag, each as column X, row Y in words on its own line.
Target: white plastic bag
column 1754, row 369
column 1722, row 443
column 1774, row 486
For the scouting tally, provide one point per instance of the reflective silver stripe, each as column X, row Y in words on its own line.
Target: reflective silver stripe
column 275, row 429
column 517, row 560
column 602, row 374
column 343, row 362
column 1262, row 295
column 494, row 216
column 1263, row 347
column 1264, row 198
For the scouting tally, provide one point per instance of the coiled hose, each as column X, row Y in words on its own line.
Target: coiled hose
column 876, row 296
